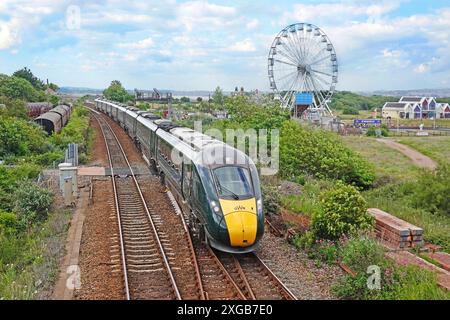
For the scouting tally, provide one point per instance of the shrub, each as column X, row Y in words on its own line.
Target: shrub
column 343, row 211
column 397, row 283
column 360, row 252
column 9, row 177
column 372, row 131
column 307, row 151
column 432, row 192
column 19, row 138
column 8, row 222
column 323, row 250
column 304, row 241
column 271, row 199
column 32, row 202
column 350, row 111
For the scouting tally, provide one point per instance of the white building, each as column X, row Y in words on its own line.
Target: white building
column 416, row 108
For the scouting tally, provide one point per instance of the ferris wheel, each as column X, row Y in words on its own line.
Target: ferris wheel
column 303, row 69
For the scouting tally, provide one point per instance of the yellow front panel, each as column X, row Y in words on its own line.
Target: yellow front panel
column 240, row 217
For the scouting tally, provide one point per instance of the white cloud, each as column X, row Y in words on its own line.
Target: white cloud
column 391, row 53
column 243, row 46
column 252, row 24
column 421, row 68
column 328, row 13
column 8, row 37
column 22, row 16
column 204, row 15
column 139, row 45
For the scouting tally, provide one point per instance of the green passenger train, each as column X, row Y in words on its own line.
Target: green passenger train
column 216, row 185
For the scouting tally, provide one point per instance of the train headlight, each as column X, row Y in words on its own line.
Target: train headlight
column 215, row 207
column 259, row 206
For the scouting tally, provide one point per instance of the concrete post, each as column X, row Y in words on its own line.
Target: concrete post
column 67, row 171
column 68, row 192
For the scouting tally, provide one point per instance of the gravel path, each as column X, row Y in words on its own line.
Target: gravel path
column 416, row 157
column 300, row 274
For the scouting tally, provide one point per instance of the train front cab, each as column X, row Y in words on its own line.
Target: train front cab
column 229, row 197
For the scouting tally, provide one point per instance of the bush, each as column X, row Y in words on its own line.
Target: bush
column 397, row 283
column 271, row 199
column 343, row 211
column 8, row 222
column 307, row 151
column 32, row 203
column 19, row 138
column 350, row 111
column 432, row 192
column 360, row 252
column 372, row 131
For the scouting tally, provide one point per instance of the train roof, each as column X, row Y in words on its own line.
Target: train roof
column 61, row 109
column 51, row 116
column 193, row 144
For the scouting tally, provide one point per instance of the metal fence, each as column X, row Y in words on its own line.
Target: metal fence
column 403, row 133
column 72, row 154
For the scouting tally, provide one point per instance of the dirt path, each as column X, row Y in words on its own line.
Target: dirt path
column 416, row 157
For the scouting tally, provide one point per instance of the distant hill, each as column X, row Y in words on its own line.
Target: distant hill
column 439, row 93
column 175, row 93
column 79, row 90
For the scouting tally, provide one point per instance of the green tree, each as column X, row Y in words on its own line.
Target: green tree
column 185, row 99
column 117, row 92
column 54, row 100
column 26, row 74
column 19, row 138
column 53, row 87
column 13, row 108
column 17, row 88
column 218, row 97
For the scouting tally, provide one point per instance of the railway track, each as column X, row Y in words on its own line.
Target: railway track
column 254, row 279
column 157, row 256
column 145, row 263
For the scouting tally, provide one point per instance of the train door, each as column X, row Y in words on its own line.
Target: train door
column 187, row 180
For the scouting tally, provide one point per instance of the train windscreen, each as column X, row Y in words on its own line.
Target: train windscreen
column 234, row 182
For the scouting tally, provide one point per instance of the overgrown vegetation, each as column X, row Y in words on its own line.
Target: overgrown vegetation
column 364, row 256
column 306, row 151
column 343, row 212
column 271, row 200
column 337, row 187
column 423, row 202
column 373, row 131
column 31, row 231
column 350, row 103
column 397, row 282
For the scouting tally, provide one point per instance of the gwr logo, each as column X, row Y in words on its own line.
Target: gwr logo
column 239, row 208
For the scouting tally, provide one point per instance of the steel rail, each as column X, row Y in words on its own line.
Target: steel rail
column 274, row 277
column 147, row 211
column 203, row 296
column 116, row 201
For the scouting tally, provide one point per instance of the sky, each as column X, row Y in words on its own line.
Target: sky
column 198, row 45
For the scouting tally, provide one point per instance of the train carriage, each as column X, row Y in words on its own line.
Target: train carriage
column 216, row 185
column 63, row 111
column 130, row 121
column 50, row 121
column 121, row 116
